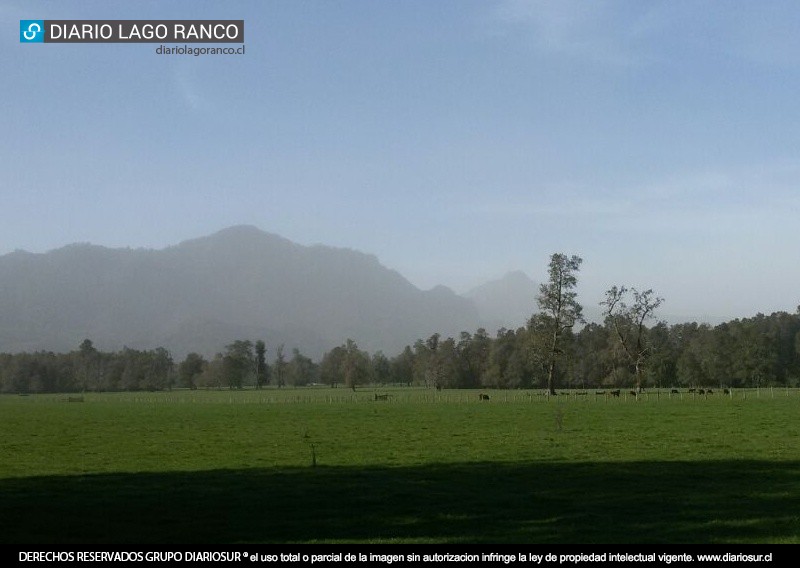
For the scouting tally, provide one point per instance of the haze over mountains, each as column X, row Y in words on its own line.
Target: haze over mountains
column 239, row 283
column 507, row 302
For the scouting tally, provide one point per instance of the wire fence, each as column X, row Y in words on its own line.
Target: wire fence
column 415, row 395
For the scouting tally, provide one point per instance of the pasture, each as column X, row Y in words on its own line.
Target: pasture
column 331, row 465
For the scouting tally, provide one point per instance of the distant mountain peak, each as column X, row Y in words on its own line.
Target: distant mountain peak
column 507, row 302
column 244, row 230
column 516, row 276
column 201, row 294
column 237, row 236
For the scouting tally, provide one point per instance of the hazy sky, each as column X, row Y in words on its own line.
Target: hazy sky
column 456, row 140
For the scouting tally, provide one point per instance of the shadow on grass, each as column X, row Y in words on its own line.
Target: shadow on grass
column 650, row 502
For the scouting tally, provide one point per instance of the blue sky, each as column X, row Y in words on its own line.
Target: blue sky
column 454, row 140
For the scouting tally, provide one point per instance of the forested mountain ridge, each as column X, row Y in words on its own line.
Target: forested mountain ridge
column 211, row 295
column 204, row 293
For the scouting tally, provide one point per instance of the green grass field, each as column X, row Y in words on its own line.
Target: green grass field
column 330, row 465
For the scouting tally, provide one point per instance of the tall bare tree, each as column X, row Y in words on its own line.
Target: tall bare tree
column 628, row 322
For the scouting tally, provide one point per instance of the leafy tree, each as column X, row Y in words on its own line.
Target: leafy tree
column 381, row 368
column 502, row 350
column 189, row 369
column 446, row 364
column 238, row 363
column 159, row 374
column 143, row 370
column 300, row 370
column 331, row 366
column 689, row 366
column 279, row 367
column 721, row 345
column 517, row 373
column 86, row 367
column 262, row 368
column 755, row 359
column 662, row 367
column 19, row 373
column 559, row 307
column 134, row 366
column 432, row 362
column 355, row 368
column 474, row 351
column 538, row 349
column 422, row 363
column 797, row 354
column 213, row 375
column 402, row 367
column 593, row 359
column 784, row 328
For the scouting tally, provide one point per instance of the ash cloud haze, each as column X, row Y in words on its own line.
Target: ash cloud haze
column 456, row 142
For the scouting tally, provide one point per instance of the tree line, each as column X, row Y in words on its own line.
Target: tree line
column 630, row 349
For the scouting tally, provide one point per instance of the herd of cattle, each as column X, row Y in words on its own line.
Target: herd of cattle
column 617, row 393
column 672, row 391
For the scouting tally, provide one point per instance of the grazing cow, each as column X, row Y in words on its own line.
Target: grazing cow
column 675, row 391
column 484, row 396
column 615, row 393
column 381, row 396
column 633, row 393
column 701, row 391
column 709, row 391
column 692, row 390
column 727, row 391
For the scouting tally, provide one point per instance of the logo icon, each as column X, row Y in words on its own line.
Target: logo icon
column 31, row 31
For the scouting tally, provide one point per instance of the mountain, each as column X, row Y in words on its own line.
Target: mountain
column 199, row 295
column 506, row 302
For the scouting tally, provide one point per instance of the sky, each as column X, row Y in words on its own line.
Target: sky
column 455, row 140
